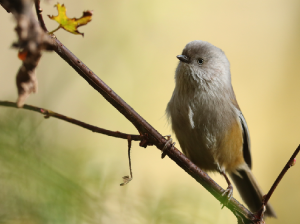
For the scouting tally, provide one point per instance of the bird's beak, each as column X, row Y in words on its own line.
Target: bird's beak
column 183, row 58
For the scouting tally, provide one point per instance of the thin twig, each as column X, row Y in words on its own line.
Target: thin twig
column 260, row 213
column 129, row 148
column 127, row 179
column 49, row 113
column 290, row 163
column 39, row 14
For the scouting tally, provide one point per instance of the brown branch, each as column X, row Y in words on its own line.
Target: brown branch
column 39, row 14
column 149, row 134
column 146, row 129
column 49, row 113
column 289, row 164
column 141, row 125
column 6, row 5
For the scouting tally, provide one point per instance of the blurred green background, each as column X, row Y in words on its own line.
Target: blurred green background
column 55, row 172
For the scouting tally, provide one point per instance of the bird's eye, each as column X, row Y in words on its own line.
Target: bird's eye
column 200, row 61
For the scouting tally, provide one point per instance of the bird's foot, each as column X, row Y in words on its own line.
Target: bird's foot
column 165, row 148
column 227, row 194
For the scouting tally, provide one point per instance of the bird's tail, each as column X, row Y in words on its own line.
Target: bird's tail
column 250, row 191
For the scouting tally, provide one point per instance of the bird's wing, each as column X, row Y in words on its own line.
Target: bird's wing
column 246, row 140
column 246, row 135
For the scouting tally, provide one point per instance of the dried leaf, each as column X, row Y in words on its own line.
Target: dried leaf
column 26, row 83
column 22, row 55
column 32, row 40
column 70, row 24
column 126, row 180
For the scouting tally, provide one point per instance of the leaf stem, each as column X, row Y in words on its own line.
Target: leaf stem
column 55, row 30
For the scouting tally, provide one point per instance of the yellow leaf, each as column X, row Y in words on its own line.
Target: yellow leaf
column 72, row 24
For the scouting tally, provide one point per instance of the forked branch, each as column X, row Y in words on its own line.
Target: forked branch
column 148, row 135
column 49, row 113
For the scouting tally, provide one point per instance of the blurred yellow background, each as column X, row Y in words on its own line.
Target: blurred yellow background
column 132, row 46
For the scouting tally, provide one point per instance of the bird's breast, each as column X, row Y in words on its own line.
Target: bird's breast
column 208, row 130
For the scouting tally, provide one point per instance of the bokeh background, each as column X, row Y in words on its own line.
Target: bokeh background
column 55, row 172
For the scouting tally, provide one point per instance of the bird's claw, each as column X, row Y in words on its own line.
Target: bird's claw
column 227, row 194
column 169, row 142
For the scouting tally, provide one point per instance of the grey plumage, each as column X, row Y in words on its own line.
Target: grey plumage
column 207, row 120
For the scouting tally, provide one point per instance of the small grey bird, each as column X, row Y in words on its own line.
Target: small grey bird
column 208, row 122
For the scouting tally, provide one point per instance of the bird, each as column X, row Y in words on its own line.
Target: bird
column 208, row 122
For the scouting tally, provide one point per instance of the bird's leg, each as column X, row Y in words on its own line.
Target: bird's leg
column 169, row 142
column 229, row 190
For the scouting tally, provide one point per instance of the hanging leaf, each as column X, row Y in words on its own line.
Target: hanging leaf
column 72, row 24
